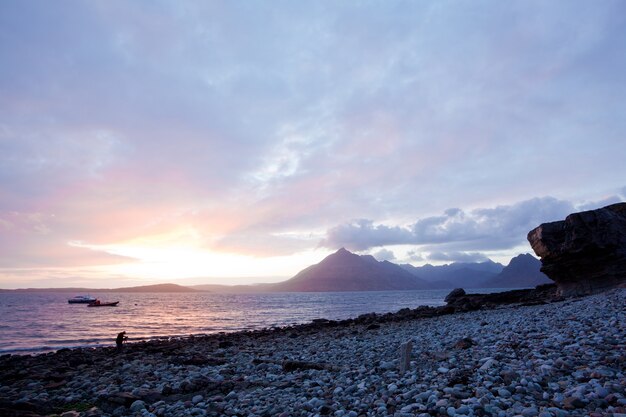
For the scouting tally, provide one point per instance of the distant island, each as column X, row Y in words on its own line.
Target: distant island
column 347, row 271
column 169, row 288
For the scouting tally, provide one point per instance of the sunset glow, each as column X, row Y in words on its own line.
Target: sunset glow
column 189, row 264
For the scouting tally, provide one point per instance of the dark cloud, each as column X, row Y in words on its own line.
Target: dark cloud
column 502, row 227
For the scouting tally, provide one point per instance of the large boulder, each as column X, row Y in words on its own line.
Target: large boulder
column 454, row 294
column 586, row 252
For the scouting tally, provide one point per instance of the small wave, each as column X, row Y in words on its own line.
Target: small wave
column 85, row 341
column 37, row 349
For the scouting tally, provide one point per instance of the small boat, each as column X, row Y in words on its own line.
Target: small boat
column 98, row 303
column 81, row 299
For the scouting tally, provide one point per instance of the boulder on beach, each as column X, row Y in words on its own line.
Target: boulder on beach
column 586, row 252
column 454, row 294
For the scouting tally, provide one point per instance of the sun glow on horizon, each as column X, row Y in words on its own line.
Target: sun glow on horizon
column 158, row 263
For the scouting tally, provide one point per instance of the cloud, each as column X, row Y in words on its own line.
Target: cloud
column 501, row 227
column 414, row 256
column 601, row 203
column 384, row 255
column 363, row 234
column 131, row 122
column 32, row 239
column 262, row 244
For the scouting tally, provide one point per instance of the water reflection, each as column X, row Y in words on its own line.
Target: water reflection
column 45, row 321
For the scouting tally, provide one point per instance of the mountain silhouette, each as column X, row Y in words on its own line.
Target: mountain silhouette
column 346, row 271
column 522, row 271
column 458, row 274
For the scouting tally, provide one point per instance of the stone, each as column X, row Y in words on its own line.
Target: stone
column 404, row 362
column 442, row 403
column 504, row 393
column 410, row 407
column 530, row 412
column 455, row 293
column 137, row 406
column 464, row 343
column 488, row 364
column 124, row 398
column 586, row 252
column 570, row 403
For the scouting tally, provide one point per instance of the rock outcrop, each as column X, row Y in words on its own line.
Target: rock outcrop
column 586, row 252
column 460, row 301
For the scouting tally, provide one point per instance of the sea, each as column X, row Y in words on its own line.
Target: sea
column 39, row 322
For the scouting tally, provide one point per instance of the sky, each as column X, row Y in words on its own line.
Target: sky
column 238, row 142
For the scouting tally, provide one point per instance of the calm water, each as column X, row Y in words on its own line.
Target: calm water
column 41, row 322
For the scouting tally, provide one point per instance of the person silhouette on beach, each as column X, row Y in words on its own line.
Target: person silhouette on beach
column 120, row 340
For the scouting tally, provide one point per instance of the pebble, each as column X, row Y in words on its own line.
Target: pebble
column 137, row 406
column 504, row 393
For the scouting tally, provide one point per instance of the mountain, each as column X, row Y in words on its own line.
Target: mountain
column 523, row 271
column 345, row 271
column 458, row 274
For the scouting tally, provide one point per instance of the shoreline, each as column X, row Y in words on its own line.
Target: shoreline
column 271, row 371
column 357, row 305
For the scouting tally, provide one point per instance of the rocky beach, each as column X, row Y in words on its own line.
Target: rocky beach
column 563, row 358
